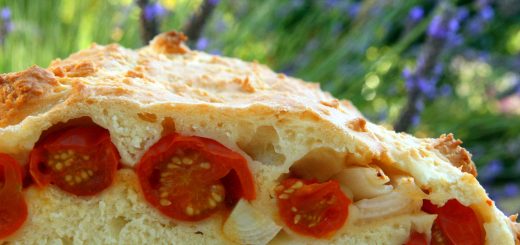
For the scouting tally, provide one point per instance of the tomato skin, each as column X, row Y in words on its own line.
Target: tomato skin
column 91, row 164
column 185, row 186
column 455, row 224
column 417, row 238
column 13, row 208
column 312, row 209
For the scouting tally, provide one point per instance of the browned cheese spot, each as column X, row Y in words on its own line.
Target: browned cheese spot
column 358, row 124
column 170, row 43
column 81, row 69
column 448, row 146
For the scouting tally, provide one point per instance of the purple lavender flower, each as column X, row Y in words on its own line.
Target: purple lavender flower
column 487, row 13
column 416, row 14
column 416, row 119
column 475, row 26
column 426, row 86
column 462, row 14
column 436, row 29
column 6, row 25
column 353, row 9
column 154, row 10
column 419, row 105
column 511, row 190
column 5, row 14
column 489, row 172
column 453, row 25
column 202, row 43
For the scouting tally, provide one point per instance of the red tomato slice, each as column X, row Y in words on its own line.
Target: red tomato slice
column 311, row 208
column 80, row 160
column 417, row 238
column 190, row 178
column 455, row 224
column 13, row 209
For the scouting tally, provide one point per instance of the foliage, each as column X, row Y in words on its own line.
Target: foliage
column 370, row 52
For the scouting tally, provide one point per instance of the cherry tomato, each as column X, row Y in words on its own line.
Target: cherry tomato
column 190, row 178
column 80, row 160
column 311, row 208
column 417, row 238
column 13, row 209
column 455, row 224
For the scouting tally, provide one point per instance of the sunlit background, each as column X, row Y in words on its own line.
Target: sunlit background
column 425, row 67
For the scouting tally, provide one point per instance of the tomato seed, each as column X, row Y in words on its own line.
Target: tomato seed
column 165, row 202
column 187, row 161
column 190, row 211
column 283, row 196
column 297, row 185
column 216, row 196
column 176, row 160
column 205, row 165
column 212, row 203
column 78, row 179
column 297, row 219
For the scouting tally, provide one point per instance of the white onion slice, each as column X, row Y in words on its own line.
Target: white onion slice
column 406, row 198
column 246, row 225
column 364, row 182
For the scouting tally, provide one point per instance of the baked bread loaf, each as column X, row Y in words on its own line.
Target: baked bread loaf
column 292, row 164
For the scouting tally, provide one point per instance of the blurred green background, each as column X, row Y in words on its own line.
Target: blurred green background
column 426, row 67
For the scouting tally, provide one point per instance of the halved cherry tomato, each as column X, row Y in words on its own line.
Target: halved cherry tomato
column 190, row 178
column 80, row 160
column 455, row 224
column 13, row 209
column 311, row 208
column 417, row 238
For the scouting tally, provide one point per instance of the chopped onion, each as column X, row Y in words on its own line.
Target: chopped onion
column 406, row 198
column 364, row 182
column 246, row 225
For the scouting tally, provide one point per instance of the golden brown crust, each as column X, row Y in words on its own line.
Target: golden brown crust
column 358, row 125
column 170, row 43
column 82, row 69
column 458, row 156
column 21, row 93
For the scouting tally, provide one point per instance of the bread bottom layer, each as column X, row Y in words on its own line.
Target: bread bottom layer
column 120, row 215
